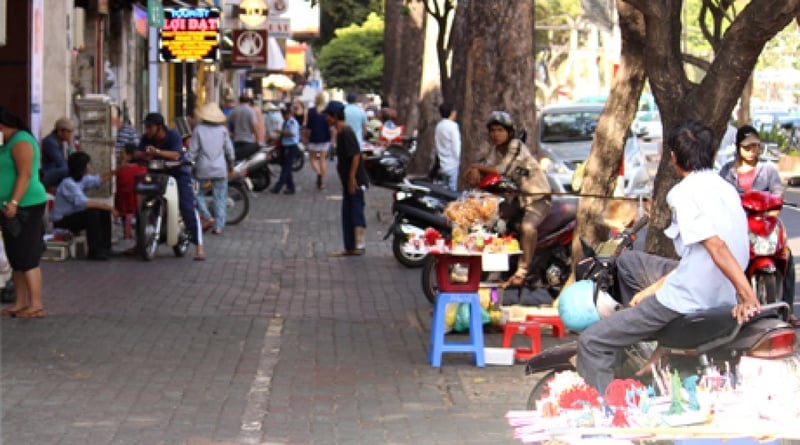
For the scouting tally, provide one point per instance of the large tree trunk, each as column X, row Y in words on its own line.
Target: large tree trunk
column 403, row 47
column 712, row 100
column 428, row 107
column 492, row 67
column 612, row 128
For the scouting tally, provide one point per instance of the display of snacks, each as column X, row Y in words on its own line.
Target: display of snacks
column 473, row 209
column 461, row 242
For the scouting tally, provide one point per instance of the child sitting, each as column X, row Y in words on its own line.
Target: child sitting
column 126, row 201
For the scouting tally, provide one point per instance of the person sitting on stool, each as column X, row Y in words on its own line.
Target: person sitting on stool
column 74, row 211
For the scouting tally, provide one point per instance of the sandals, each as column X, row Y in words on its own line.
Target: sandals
column 354, row 252
column 794, row 321
column 8, row 312
column 36, row 313
column 207, row 224
column 516, row 280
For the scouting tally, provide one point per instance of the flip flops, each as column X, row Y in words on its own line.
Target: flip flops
column 36, row 313
column 8, row 312
column 354, row 252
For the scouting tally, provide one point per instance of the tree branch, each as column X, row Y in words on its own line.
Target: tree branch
column 739, row 51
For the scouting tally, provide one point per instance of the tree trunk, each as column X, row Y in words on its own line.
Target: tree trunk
column 492, row 68
column 712, row 100
column 612, row 128
column 403, row 43
column 428, row 107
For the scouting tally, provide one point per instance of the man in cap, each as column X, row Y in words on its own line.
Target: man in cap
column 354, row 181
column 160, row 142
column 55, row 149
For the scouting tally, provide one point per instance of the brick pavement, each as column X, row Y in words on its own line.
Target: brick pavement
column 268, row 341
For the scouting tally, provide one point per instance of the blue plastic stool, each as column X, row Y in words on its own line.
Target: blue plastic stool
column 475, row 343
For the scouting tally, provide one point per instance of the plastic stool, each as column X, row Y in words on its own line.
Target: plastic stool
column 529, row 329
column 553, row 321
column 475, row 344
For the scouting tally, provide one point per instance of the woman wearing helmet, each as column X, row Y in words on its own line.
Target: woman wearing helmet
column 510, row 157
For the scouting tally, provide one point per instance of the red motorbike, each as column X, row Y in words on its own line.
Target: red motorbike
column 769, row 253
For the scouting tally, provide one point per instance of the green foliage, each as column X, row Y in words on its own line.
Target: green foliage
column 336, row 14
column 353, row 60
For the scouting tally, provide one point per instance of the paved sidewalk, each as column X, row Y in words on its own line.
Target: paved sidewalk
column 268, row 341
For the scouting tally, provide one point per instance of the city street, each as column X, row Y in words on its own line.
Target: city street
column 267, row 341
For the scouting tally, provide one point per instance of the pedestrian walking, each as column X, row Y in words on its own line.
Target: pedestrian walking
column 212, row 152
column 290, row 137
column 244, row 125
column 356, row 118
column 354, row 181
column 319, row 137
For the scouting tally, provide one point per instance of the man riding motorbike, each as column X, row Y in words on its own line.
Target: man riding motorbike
column 510, row 157
column 709, row 231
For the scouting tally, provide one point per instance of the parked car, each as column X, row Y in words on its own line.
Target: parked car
column 565, row 136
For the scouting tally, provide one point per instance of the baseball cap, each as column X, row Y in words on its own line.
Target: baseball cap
column 746, row 135
column 64, row 124
column 335, row 108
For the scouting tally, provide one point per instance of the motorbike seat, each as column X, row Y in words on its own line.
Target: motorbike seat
column 693, row 330
column 563, row 212
column 437, row 190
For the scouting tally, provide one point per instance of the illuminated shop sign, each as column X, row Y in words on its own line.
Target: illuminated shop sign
column 190, row 35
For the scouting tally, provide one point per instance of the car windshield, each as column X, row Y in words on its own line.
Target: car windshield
column 566, row 126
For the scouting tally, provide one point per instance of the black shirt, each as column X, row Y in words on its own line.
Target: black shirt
column 346, row 148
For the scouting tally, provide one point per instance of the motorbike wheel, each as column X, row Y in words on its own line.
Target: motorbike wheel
column 299, row 161
column 404, row 258
column 260, row 180
column 182, row 247
column 238, row 204
column 768, row 287
column 147, row 237
column 539, row 390
column 430, row 284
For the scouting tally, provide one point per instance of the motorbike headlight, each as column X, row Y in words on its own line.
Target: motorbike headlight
column 401, row 195
column 764, row 245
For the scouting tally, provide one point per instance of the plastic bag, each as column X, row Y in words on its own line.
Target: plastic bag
column 462, row 317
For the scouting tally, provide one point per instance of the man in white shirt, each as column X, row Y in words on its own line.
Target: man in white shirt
column 709, row 231
column 448, row 144
column 356, row 118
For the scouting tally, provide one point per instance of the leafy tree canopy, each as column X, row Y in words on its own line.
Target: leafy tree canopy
column 353, row 60
column 341, row 13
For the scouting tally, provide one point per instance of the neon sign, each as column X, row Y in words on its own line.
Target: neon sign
column 190, row 35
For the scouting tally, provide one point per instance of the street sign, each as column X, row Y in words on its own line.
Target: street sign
column 279, row 28
column 190, row 35
column 250, row 47
column 155, row 14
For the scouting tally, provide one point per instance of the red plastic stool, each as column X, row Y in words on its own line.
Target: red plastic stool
column 529, row 329
column 553, row 321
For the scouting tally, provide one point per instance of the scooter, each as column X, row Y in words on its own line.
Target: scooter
column 692, row 344
column 551, row 262
column 237, row 202
column 255, row 167
column 158, row 218
column 769, row 252
column 417, row 203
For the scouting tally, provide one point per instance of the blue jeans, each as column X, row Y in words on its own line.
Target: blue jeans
column 187, row 207
column 352, row 216
column 289, row 153
column 219, row 189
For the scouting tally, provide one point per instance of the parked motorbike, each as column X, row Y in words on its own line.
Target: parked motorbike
column 417, row 203
column 769, row 252
column 692, row 344
column 237, row 201
column 256, row 168
column 550, row 264
column 158, row 218
column 274, row 156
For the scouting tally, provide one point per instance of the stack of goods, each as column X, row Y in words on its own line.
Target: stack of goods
column 471, row 218
column 718, row 405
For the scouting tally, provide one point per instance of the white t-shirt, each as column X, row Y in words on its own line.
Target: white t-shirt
column 448, row 145
column 703, row 205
